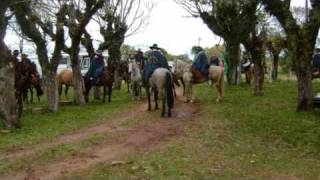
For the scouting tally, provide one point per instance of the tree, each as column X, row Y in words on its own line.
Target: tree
column 80, row 12
column 8, row 105
column 301, row 43
column 33, row 26
column 254, row 43
column 275, row 43
column 228, row 19
column 118, row 20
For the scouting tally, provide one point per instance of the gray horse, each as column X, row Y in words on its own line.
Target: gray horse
column 135, row 80
column 161, row 82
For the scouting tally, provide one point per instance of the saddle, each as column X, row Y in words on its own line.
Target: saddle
column 198, row 77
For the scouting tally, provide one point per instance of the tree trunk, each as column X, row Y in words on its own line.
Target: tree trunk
column 258, row 76
column 114, row 58
column 304, row 90
column 77, row 77
column 304, row 77
column 52, row 90
column 275, row 67
column 8, row 103
column 233, row 49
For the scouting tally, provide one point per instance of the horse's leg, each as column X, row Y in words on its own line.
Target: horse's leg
column 31, row 95
column 104, row 94
column 164, row 104
column 66, row 92
column 149, row 98
column 220, row 88
column 86, row 93
column 109, row 93
column 59, row 89
column 156, row 96
column 184, row 86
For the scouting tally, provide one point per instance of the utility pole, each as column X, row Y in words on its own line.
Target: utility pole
column 307, row 11
column 199, row 41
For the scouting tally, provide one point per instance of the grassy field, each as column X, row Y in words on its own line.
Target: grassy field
column 245, row 137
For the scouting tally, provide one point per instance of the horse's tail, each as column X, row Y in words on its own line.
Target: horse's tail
column 169, row 90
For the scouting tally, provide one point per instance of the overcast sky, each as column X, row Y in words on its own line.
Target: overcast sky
column 169, row 28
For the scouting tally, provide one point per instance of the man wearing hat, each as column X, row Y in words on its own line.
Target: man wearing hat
column 15, row 58
column 200, row 65
column 96, row 67
column 155, row 59
column 139, row 58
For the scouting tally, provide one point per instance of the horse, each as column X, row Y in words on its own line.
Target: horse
column 135, row 80
column 248, row 69
column 122, row 73
column 26, row 75
column 191, row 76
column 178, row 70
column 64, row 78
column 106, row 80
column 38, row 93
column 161, row 82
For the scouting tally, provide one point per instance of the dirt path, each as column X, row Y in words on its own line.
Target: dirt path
column 138, row 139
column 81, row 134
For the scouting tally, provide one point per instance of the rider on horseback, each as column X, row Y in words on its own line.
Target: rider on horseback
column 155, row 59
column 139, row 58
column 316, row 63
column 96, row 67
column 200, row 65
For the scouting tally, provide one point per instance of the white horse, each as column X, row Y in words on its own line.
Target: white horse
column 161, row 82
column 135, row 80
column 184, row 70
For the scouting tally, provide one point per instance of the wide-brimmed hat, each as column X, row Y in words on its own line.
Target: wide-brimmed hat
column 99, row 52
column 154, row 46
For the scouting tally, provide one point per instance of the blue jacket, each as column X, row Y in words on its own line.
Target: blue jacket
column 214, row 60
column 155, row 59
column 96, row 67
column 201, row 63
column 316, row 61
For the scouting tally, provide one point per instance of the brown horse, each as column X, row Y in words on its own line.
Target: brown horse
column 192, row 76
column 122, row 69
column 105, row 80
column 64, row 78
column 26, row 75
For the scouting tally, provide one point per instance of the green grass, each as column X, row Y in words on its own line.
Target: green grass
column 36, row 128
column 245, row 137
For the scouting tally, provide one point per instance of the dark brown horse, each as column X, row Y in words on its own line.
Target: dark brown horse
column 106, row 80
column 123, row 72
column 26, row 75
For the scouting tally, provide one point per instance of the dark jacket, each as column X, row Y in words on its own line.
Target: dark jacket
column 316, row 61
column 201, row 63
column 96, row 67
column 214, row 60
column 155, row 59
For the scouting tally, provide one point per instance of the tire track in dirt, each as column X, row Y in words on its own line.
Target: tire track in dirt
column 141, row 138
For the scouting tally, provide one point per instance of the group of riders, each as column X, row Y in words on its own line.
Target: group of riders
column 154, row 58
column 151, row 60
